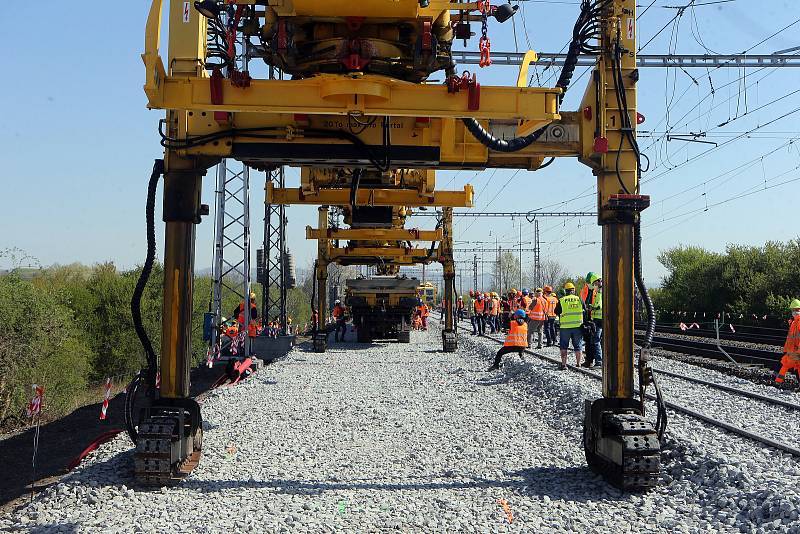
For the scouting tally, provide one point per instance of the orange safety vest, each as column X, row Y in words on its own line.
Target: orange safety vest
column 232, row 331
column 252, row 328
column 479, row 306
column 495, row 306
column 792, row 345
column 584, row 292
column 526, row 302
column 537, row 311
column 338, row 311
column 517, row 336
column 552, row 301
column 424, row 311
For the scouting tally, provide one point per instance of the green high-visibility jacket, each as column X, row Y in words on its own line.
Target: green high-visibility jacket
column 597, row 304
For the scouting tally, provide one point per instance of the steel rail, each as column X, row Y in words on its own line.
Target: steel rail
column 709, row 350
column 734, row 429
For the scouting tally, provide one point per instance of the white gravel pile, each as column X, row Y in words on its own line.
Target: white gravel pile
column 391, row 437
column 713, row 480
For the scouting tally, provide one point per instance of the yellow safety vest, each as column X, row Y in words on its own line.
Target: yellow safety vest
column 571, row 311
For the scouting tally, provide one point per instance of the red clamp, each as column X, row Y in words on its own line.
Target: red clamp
column 232, row 30
column 215, row 84
column 465, row 81
column 485, row 7
column 354, row 60
column 283, row 37
column 427, row 37
column 240, row 79
column 485, row 46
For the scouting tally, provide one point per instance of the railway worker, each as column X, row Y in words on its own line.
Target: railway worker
column 479, row 306
column 516, row 339
column 596, row 311
column 587, row 286
column 550, row 319
column 537, row 314
column 473, row 315
column 488, row 311
column 339, row 314
column 570, row 312
column 424, row 312
column 460, row 308
column 230, row 328
column 791, row 348
column 508, row 306
column 495, row 313
column 252, row 320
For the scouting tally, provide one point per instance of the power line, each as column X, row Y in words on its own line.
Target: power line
column 510, row 214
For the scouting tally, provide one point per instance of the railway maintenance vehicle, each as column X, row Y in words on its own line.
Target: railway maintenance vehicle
column 351, row 88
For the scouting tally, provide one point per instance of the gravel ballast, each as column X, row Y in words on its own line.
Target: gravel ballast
column 392, row 437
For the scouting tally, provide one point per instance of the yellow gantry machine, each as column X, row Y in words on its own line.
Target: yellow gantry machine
column 359, row 99
column 379, row 204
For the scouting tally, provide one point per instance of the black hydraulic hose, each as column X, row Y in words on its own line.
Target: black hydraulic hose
column 648, row 302
column 136, row 300
column 314, row 312
column 148, row 374
column 130, row 397
column 661, row 416
column 564, row 79
column 500, row 145
column 356, row 181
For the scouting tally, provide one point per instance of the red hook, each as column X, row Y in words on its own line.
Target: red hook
column 485, row 47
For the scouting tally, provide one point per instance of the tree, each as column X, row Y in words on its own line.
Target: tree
column 554, row 273
column 508, row 271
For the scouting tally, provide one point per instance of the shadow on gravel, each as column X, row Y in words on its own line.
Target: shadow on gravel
column 310, row 487
column 571, row 484
column 62, row 528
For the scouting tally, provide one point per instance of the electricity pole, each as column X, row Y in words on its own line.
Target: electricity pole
column 520, row 254
column 475, row 272
column 537, row 267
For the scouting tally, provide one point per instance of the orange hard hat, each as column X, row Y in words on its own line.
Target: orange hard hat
column 519, row 293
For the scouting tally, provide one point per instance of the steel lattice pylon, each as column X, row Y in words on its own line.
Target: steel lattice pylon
column 231, row 269
column 273, row 283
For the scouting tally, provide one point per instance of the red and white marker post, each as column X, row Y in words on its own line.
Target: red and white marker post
column 106, row 398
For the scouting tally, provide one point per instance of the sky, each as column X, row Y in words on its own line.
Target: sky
column 79, row 143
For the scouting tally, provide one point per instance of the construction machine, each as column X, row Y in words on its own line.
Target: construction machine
column 350, row 99
column 382, row 306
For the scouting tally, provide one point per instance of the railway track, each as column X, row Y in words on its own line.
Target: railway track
column 741, row 335
column 740, row 354
column 686, row 410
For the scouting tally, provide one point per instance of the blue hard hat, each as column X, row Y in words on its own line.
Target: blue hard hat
column 520, row 314
column 525, row 291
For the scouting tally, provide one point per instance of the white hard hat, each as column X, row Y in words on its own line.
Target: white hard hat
column 337, row 301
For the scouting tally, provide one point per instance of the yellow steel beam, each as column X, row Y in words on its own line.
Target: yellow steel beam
column 367, row 94
column 376, row 252
column 371, row 197
column 375, row 234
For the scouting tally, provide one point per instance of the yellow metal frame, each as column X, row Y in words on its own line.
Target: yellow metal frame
column 375, row 234
column 371, row 197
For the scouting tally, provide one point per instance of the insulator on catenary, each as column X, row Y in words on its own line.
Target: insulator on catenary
column 289, row 268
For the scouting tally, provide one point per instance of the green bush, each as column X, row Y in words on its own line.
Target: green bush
column 70, row 327
column 744, row 280
column 40, row 344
